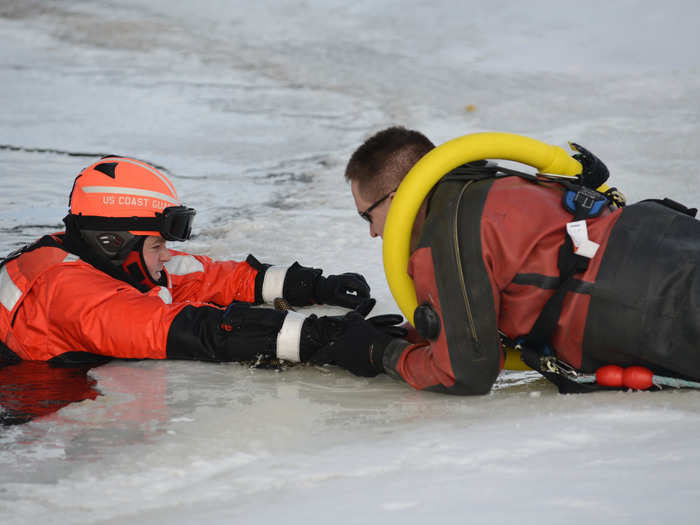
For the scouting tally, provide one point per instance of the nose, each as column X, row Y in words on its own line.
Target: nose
column 165, row 255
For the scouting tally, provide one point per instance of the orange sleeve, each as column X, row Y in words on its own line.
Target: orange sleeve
column 199, row 278
column 423, row 366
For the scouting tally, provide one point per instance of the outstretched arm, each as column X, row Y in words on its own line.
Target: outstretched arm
column 199, row 278
column 303, row 286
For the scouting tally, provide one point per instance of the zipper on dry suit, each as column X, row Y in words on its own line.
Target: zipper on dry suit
column 460, row 272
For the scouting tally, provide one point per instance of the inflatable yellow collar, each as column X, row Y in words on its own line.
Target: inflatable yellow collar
column 428, row 171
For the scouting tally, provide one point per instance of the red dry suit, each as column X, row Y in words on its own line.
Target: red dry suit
column 487, row 262
column 54, row 305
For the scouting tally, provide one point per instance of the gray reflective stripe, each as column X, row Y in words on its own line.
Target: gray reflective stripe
column 183, row 265
column 273, row 283
column 136, row 192
column 165, row 295
column 289, row 337
column 9, row 292
column 152, row 170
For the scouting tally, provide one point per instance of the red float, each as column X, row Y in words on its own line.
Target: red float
column 610, row 375
column 637, row 377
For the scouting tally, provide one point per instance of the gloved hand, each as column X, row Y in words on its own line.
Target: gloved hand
column 390, row 324
column 353, row 342
column 360, row 349
column 318, row 333
column 594, row 171
column 304, row 286
column 347, row 290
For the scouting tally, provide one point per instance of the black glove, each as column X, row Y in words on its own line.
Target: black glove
column 594, row 171
column 389, row 324
column 355, row 343
column 347, row 290
column 304, row 286
column 360, row 349
column 318, row 333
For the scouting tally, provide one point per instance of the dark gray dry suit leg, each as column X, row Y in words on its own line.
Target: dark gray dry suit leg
column 645, row 305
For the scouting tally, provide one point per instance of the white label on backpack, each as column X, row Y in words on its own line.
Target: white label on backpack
column 578, row 231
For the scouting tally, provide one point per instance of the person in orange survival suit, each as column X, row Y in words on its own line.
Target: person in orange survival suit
column 109, row 287
column 492, row 262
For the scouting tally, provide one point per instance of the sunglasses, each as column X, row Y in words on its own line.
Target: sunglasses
column 366, row 214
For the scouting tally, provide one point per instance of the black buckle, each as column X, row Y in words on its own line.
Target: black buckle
column 584, row 203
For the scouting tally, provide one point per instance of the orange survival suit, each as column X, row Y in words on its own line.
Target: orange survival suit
column 56, row 306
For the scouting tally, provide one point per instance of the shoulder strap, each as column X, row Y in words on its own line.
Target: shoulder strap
column 536, row 348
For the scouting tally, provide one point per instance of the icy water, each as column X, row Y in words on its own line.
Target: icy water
column 254, row 108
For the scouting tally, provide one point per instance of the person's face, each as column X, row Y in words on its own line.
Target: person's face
column 377, row 215
column 155, row 255
column 379, row 211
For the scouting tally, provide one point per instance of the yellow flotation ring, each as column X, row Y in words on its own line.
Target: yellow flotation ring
column 427, row 172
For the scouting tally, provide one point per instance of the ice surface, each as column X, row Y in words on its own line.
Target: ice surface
column 253, row 108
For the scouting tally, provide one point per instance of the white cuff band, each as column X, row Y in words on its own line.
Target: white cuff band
column 273, row 283
column 289, row 337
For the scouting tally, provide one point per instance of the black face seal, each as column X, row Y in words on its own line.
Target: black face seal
column 111, row 242
column 115, row 246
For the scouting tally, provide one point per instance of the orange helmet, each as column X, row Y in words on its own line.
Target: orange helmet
column 124, row 194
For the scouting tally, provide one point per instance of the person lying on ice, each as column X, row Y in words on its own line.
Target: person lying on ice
column 108, row 286
column 492, row 262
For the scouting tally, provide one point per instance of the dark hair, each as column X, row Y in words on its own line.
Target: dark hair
column 381, row 163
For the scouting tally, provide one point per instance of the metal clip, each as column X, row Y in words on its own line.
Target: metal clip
column 555, row 366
